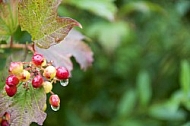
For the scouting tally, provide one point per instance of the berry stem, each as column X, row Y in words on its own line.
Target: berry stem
column 51, row 92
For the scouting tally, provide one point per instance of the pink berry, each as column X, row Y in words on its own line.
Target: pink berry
column 49, row 72
column 62, row 73
column 12, row 80
column 54, row 100
column 10, row 90
column 4, row 123
column 37, row 81
column 38, row 59
column 16, row 68
column 7, row 116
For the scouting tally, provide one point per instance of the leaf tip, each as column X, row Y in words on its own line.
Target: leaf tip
column 79, row 25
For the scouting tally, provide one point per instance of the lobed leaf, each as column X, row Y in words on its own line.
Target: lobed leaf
column 39, row 18
column 25, row 107
column 72, row 45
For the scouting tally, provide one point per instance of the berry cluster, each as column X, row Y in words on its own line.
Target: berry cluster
column 4, row 121
column 39, row 73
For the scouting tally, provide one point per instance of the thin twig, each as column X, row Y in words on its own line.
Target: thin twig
column 17, row 46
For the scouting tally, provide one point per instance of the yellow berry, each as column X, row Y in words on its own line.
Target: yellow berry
column 25, row 75
column 16, row 68
column 49, row 72
column 47, row 86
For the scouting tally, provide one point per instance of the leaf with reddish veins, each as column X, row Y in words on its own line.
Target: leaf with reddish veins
column 72, row 45
column 25, row 107
column 40, row 19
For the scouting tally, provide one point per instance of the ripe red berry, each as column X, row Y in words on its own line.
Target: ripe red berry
column 54, row 100
column 38, row 59
column 16, row 68
column 12, row 80
column 62, row 73
column 10, row 90
column 37, row 81
column 4, row 123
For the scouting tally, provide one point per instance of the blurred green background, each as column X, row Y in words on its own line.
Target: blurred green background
column 141, row 70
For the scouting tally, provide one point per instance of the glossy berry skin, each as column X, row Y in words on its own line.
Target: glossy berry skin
column 62, row 73
column 38, row 59
column 4, row 123
column 47, row 86
column 10, row 90
column 12, row 80
column 16, row 68
column 54, row 100
column 25, row 76
column 49, row 72
column 37, row 81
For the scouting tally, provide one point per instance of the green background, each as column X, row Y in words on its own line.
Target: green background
column 141, row 70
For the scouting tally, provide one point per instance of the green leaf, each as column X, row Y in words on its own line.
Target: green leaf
column 127, row 103
column 186, row 124
column 25, row 107
column 103, row 8
column 109, row 35
column 144, row 87
column 165, row 111
column 141, row 6
column 185, row 77
column 8, row 19
column 40, row 19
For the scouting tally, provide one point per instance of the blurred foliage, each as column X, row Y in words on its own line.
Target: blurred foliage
column 141, row 72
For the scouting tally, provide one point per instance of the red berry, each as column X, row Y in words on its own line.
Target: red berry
column 37, row 81
column 12, row 80
column 16, row 68
column 54, row 100
column 10, row 90
column 38, row 59
column 4, row 123
column 62, row 73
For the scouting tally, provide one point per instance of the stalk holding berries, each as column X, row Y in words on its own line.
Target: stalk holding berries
column 40, row 74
